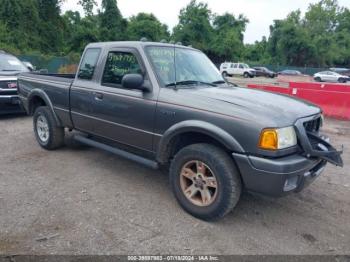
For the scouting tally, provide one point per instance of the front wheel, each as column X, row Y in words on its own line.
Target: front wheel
column 224, row 74
column 47, row 133
column 246, row 75
column 342, row 80
column 205, row 181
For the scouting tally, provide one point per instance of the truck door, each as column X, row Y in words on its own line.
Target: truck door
column 123, row 115
column 240, row 69
column 236, row 69
column 81, row 93
column 230, row 69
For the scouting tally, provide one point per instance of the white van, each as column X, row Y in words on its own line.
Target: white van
column 240, row 69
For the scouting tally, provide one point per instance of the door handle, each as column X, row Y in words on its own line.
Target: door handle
column 98, row 96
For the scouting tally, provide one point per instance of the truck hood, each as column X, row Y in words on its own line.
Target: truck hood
column 9, row 73
column 271, row 109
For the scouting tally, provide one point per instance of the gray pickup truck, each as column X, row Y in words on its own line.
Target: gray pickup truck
column 10, row 68
column 168, row 106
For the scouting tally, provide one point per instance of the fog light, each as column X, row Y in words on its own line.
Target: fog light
column 290, row 184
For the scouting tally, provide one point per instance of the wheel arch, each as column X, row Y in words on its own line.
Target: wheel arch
column 38, row 97
column 194, row 131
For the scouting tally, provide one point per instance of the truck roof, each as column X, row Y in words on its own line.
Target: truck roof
column 135, row 44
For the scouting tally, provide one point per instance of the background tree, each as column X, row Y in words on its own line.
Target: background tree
column 146, row 25
column 257, row 52
column 289, row 42
column 14, row 16
column 227, row 40
column 194, row 26
column 88, row 6
column 112, row 23
column 51, row 25
column 320, row 38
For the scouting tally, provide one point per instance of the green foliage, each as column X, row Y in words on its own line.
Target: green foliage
column 113, row 25
column 194, row 26
column 319, row 38
column 146, row 25
column 227, row 42
column 88, row 6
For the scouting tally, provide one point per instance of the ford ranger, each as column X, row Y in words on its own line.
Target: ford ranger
column 167, row 106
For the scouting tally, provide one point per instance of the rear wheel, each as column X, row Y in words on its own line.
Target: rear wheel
column 318, row 79
column 47, row 133
column 205, row 181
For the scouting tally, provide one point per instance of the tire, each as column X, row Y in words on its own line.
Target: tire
column 47, row 133
column 318, row 79
column 224, row 74
column 342, row 80
column 227, row 180
column 246, row 75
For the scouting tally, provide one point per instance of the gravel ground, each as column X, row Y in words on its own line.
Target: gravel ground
column 85, row 201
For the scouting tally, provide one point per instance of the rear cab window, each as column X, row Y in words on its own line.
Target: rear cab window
column 88, row 64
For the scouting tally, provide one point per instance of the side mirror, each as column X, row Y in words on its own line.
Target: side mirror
column 134, row 81
column 29, row 66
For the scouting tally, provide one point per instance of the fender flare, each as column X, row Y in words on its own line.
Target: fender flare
column 40, row 93
column 197, row 126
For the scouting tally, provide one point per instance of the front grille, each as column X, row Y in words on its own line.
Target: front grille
column 5, row 84
column 5, row 90
column 313, row 125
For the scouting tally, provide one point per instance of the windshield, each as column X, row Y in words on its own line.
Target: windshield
column 11, row 63
column 182, row 66
column 245, row 66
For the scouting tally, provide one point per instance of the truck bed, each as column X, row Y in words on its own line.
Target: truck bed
column 55, row 86
column 51, row 77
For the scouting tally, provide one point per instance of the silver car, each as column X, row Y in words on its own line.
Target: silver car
column 329, row 76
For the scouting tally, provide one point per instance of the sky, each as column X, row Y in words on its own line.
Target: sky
column 260, row 13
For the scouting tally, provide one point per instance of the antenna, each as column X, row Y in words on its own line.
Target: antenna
column 175, row 66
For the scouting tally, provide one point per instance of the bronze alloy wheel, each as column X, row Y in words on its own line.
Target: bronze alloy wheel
column 198, row 183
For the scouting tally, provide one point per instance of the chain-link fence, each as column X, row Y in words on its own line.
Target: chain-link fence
column 304, row 70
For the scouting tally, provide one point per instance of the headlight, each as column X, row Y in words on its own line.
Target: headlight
column 274, row 139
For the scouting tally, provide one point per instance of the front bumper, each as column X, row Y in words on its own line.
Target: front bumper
column 10, row 104
column 278, row 177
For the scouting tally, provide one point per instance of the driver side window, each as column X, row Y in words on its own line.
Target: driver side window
column 118, row 65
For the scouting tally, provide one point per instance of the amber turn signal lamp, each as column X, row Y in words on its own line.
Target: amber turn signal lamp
column 268, row 139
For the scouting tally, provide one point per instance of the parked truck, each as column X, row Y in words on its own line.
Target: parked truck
column 165, row 105
column 10, row 68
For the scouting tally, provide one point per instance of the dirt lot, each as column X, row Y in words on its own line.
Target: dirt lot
column 85, row 201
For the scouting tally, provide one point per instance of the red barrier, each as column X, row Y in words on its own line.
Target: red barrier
column 333, row 104
column 275, row 89
column 332, row 98
column 321, row 86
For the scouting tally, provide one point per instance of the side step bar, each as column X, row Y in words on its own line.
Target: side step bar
column 116, row 151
